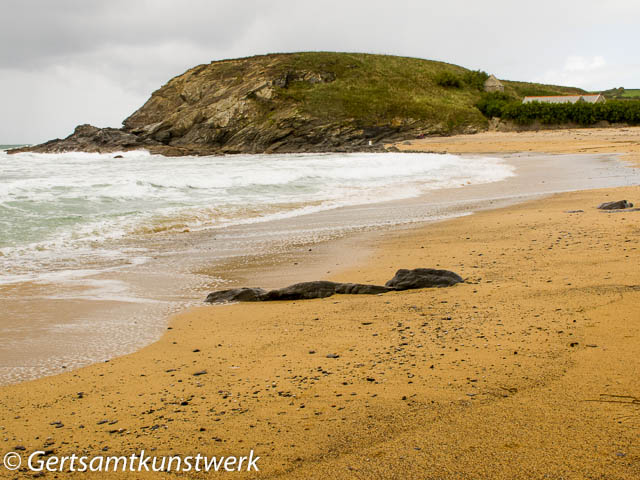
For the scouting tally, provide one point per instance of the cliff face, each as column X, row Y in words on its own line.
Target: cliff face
column 291, row 103
column 237, row 106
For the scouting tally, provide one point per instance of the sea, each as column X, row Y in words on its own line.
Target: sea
column 63, row 213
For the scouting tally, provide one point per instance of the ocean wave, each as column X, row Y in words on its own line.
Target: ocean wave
column 70, row 206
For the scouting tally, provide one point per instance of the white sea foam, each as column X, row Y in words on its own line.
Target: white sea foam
column 63, row 211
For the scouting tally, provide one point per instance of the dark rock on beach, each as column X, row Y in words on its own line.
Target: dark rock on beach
column 423, row 278
column 622, row 210
column 321, row 289
column 618, row 205
column 403, row 280
column 360, row 289
column 236, row 295
column 304, row 290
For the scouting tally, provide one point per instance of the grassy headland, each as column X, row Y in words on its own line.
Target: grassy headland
column 301, row 102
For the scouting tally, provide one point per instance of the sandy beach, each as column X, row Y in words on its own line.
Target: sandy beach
column 528, row 369
column 584, row 140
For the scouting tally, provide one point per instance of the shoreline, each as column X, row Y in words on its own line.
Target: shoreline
column 185, row 270
column 540, row 279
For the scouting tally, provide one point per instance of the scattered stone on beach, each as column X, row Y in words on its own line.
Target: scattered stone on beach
column 423, row 278
column 236, row 295
column 618, row 205
column 403, row 280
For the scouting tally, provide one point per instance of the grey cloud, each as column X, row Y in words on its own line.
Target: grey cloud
column 44, row 32
column 126, row 49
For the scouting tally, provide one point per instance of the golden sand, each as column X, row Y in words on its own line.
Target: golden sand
column 583, row 140
column 529, row 369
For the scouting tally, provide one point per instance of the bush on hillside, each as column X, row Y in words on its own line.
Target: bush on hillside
column 448, row 80
column 582, row 113
column 491, row 104
column 475, row 79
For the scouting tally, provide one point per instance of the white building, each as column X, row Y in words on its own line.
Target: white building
column 589, row 98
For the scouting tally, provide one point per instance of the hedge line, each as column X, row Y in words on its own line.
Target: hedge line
column 613, row 111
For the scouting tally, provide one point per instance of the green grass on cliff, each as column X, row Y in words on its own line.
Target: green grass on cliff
column 622, row 93
column 382, row 89
column 281, row 95
column 526, row 89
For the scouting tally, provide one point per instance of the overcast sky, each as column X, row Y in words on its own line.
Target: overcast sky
column 67, row 62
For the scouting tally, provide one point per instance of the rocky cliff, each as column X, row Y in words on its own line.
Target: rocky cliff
column 299, row 102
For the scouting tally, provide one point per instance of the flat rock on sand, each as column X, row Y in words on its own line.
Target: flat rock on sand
column 423, row 278
column 618, row 205
column 298, row 291
column 236, row 295
column 403, row 280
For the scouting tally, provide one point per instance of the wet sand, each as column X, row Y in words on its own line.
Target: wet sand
column 526, row 370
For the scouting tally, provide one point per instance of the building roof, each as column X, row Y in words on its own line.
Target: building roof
column 590, row 98
column 492, row 80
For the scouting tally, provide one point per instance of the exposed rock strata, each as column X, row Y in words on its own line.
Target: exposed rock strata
column 87, row 138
